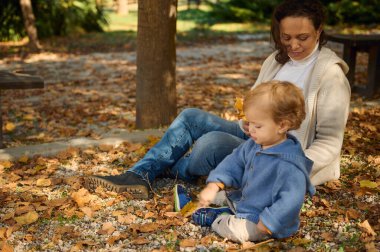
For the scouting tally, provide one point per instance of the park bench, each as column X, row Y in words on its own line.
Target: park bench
column 361, row 43
column 11, row 80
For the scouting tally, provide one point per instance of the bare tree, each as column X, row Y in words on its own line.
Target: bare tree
column 29, row 23
column 156, row 102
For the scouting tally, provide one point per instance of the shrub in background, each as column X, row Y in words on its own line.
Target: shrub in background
column 53, row 18
column 338, row 12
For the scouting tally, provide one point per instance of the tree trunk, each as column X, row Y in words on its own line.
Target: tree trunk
column 122, row 7
column 156, row 99
column 29, row 23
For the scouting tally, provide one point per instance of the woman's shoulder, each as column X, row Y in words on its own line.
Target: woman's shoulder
column 328, row 59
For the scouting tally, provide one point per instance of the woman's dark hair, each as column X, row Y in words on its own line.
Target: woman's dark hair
column 311, row 9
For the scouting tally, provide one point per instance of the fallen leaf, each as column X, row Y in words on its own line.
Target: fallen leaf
column 107, row 228
column 87, row 211
column 370, row 247
column 368, row 184
column 6, row 247
column 43, row 182
column 328, row 236
column 149, row 215
column 126, row 219
column 140, row 241
column 6, row 164
column 353, row 214
column 300, row 241
column 367, row 228
column 81, row 197
column 189, row 208
column 23, row 159
column 9, row 126
column 27, row 218
column 186, row 243
column 114, row 239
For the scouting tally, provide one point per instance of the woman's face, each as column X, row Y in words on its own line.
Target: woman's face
column 299, row 36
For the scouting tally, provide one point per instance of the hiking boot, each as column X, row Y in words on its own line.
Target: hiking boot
column 181, row 197
column 206, row 216
column 126, row 182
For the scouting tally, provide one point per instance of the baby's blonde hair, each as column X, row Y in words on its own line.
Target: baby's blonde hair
column 284, row 100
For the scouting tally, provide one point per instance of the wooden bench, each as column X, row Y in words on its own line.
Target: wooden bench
column 10, row 80
column 361, row 43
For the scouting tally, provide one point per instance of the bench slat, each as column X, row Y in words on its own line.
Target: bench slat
column 9, row 80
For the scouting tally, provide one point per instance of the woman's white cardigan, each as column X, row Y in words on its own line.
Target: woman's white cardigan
column 327, row 107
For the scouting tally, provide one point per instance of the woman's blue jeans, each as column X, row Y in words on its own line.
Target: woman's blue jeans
column 209, row 137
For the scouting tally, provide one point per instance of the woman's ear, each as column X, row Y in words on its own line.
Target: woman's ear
column 319, row 31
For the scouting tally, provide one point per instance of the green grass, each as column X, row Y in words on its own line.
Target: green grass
column 189, row 23
column 193, row 25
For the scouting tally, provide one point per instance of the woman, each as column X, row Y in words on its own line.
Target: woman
column 300, row 58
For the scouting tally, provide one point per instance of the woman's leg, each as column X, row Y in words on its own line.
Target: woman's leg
column 190, row 125
column 208, row 151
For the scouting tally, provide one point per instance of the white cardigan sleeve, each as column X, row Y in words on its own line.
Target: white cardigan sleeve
column 332, row 111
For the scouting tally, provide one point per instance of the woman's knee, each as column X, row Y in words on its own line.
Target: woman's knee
column 217, row 142
column 190, row 113
column 209, row 150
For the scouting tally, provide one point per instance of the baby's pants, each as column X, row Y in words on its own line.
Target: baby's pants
column 233, row 228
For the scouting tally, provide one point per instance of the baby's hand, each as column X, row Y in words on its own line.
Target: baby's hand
column 208, row 194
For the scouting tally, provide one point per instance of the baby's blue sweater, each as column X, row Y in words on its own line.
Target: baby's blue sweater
column 271, row 184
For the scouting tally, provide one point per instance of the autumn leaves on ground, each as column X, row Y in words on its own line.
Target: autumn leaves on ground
column 44, row 207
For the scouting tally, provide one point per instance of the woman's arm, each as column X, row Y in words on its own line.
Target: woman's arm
column 332, row 110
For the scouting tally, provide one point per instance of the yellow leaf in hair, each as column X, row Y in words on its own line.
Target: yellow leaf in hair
column 239, row 107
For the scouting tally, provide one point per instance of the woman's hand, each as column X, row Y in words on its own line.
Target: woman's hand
column 208, row 194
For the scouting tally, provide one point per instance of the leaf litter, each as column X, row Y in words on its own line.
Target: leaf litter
column 44, row 206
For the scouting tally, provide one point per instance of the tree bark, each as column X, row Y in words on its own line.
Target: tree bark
column 29, row 23
column 156, row 99
column 122, row 7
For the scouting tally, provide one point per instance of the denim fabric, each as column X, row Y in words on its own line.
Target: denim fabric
column 214, row 139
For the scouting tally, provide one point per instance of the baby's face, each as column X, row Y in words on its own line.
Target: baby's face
column 262, row 128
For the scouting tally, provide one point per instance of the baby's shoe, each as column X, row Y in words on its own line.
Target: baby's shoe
column 206, row 216
column 181, row 197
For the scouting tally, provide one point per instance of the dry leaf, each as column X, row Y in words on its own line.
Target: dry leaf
column 6, row 247
column 353, row 214
column 368, row 184
column 328, row 236
column 189, row 208
column 207, row 240
column 239, row 107
column 140, row 241
column 149, row 215
column 370, row 247
column 43, row 182
column 367, row 228
column 188, row 243
column 149, row 227
column 107, row 228
column 87, row 211
column 27, row 218
column 81, row 197
column 126, row 219
column 9, row 126
column 5, row 164
column 23, row 159
column 28, row 117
